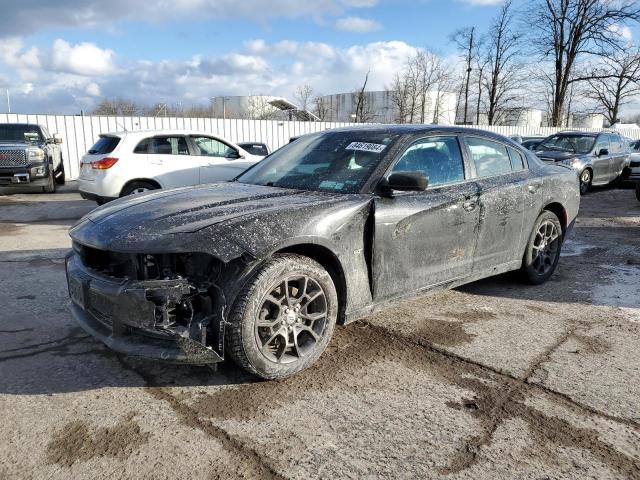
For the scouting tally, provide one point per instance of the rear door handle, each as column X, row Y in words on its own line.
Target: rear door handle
column 533, row 188
column 470, row 205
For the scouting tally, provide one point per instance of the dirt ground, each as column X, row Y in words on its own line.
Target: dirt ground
column 491, row 380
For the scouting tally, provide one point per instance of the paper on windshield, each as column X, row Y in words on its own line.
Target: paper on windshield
column 366, row 147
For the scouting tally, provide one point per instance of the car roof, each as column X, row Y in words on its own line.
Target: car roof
column 151, row 132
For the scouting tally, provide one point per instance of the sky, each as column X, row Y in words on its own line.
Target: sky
column 64, row 56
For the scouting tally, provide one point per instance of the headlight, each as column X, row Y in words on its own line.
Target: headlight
column 571, row 162
column 36, row 154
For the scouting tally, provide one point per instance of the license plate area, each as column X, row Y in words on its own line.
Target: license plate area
column 76, row 291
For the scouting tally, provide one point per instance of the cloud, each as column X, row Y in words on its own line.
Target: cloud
column 357, row 24
column 21, row 17
column 623, row 31
column 482, row 3
column 82, row 59
column 66, row 78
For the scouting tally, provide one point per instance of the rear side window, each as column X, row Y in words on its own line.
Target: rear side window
column 438, row 158
column 259, row 149
column 170, row 145
column 104, row 145
column 490, row 158
column 517, row 160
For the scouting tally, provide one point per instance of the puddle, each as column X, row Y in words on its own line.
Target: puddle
column 575, row 248
column 621, row 290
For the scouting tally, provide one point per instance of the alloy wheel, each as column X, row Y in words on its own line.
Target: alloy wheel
column 585, row 181
column 139, row 190
column 292, row 319
column 546, row 247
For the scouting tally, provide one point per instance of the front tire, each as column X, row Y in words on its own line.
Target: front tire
column 60, row 175
column 283, row 319
column 585, row 181
column 50, row 187
column 543, row 249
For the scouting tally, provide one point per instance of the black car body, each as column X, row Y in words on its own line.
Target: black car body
column 161, row 275
column 30, row 156
column 598, row 158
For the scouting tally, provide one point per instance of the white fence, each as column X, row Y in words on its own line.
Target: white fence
column 79, row 133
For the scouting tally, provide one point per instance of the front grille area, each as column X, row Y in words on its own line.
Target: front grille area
column 13, row 158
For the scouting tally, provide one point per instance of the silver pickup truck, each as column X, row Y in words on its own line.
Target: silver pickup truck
column 30, row 156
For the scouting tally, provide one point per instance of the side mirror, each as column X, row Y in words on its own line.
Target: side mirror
column 406, row 182
column 234, row 155
column 57, row 138
column 603, row 151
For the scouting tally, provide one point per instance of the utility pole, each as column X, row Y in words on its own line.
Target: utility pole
column 8, row 102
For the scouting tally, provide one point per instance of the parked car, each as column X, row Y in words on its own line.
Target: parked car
column 531, row 143
column 598, row 158
column 30, row 156
column 634, row 166
column 129, row 163
column 326, row 229
column 254, row 148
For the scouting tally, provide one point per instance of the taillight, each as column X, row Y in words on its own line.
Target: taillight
column 104, row 164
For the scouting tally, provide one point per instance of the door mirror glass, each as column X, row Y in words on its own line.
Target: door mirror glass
column 603, row 151
column 407, row 182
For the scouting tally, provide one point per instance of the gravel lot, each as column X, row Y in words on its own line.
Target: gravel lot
column 491, row 380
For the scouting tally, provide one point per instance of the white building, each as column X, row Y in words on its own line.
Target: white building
column 587, row 120
column 379, row 107
column 257, row 107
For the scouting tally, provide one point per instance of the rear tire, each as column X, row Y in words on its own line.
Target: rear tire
column 543, row 249
column 60, row 175
column 135, row 188
column 638, row 191
column 283, row 319
column 585, row 181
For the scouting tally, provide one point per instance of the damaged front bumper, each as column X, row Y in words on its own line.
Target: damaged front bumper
column 134, row 317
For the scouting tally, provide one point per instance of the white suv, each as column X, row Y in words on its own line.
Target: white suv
column 127, row 163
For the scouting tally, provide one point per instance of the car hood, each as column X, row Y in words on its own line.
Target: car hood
column 14, row 145
column 556, row 156
column 171, row 219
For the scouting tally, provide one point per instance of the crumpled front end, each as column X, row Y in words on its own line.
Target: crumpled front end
column 162, row 306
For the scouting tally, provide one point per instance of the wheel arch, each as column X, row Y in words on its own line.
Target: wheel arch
column 330, row 262
column 146, row 180
column 558, row 209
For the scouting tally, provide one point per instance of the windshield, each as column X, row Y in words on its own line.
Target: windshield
column 329, row 161
column 20, row 133
column 568, row 143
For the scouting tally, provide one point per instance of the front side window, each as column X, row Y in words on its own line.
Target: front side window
column 438, row 158
column 490, row 158
column 210, row 147
column 602, row 144
column 332, row 161
column 170, row 145
column 574, row 143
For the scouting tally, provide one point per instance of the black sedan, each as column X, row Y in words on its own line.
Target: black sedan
column 325, row 230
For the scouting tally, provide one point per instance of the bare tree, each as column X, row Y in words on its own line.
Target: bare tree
column 118, row 106
column 303, row 95
column 363, row 111
column 259, row 108
column 615, row 83
column 322, row 108
column 466, row 40
column 564, row 30
column 501, row 57
column 400, row 97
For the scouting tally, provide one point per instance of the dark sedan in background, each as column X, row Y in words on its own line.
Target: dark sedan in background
column 325, row 230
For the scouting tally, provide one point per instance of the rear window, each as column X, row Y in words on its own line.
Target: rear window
column 104, row 145
column 259, row 149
